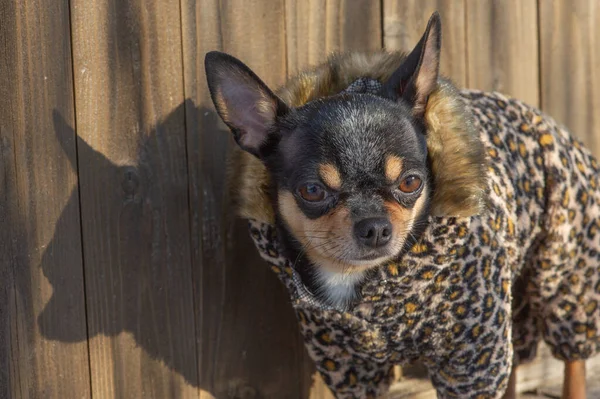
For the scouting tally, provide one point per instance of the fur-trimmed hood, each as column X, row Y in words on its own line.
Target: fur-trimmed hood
column 456, row 154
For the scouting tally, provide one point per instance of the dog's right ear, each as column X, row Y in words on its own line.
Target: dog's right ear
column 246, row 105
column 417, row 77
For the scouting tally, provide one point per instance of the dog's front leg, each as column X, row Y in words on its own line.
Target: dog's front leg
column 574, row 380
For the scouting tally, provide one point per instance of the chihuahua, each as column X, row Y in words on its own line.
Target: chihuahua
column 372, row 163
column 350, row 176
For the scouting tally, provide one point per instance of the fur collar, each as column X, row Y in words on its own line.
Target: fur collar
column 456, row 153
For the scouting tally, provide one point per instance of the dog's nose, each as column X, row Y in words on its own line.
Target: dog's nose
column 373, row 232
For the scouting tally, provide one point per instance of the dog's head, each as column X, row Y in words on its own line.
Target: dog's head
column 350, row 171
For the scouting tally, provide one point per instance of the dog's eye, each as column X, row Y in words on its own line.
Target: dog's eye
column 410, row 184
column 312, row 192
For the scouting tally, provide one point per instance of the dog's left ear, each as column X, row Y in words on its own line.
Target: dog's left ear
column 246, row 105
column 417, row 77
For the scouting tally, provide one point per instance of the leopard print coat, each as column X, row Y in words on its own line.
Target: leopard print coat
column 476, row 293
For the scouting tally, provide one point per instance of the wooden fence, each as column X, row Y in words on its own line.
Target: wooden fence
column 123, row 271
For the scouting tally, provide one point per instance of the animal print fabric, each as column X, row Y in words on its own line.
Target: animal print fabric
column 475, row 293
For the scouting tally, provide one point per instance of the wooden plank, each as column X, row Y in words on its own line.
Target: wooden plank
column 40, row 245
column 248, row 338
column 134, row 198
column 316, row 28
column 9, row 381
column 502, row 47
column 9, row 378
column 404, row 22
column 570, row 55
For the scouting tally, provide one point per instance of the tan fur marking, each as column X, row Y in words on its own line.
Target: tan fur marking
column 221, row 105
column 574, row 380
column 393, row 167
column 293, row 217
column 331, row 176
column 399, row 216
column 403, row 219
column 266, row 107
column 324, row 238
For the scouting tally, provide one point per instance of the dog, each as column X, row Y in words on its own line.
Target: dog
column 411, row 220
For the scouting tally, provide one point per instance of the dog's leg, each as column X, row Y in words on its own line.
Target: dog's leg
column 511, row 389
column 574, row 380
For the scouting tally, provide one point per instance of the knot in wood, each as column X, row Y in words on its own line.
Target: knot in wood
column 131, row 181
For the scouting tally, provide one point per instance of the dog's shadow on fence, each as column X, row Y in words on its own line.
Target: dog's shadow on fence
column 141, row 277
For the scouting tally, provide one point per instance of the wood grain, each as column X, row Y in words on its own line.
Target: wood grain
column 134, row 198
column 9, row 215
column 40, row 239
column 316, row 28
column 502, row 47
column 404, row 22
column 570, row 58
column 248, row 338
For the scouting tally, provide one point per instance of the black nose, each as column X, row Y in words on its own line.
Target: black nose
column 373, row 232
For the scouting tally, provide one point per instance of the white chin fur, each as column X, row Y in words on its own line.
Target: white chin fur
column 365, row 264
column 339, row 289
